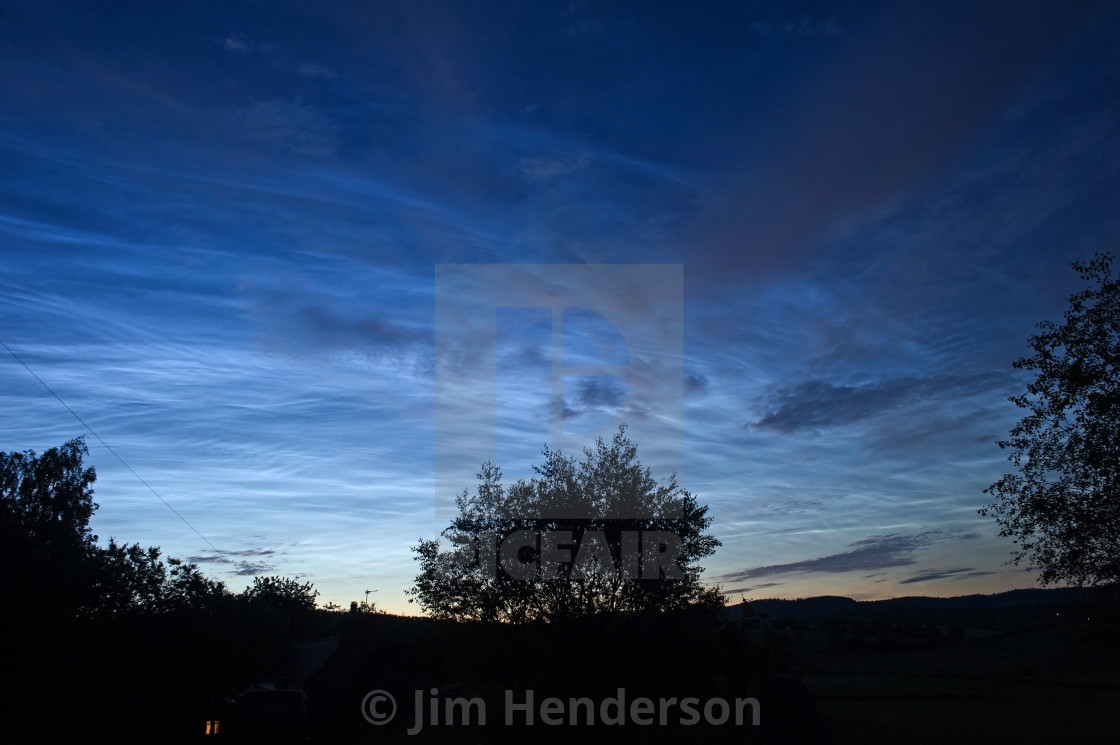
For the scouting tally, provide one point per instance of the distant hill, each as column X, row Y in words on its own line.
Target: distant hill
column 995, row 610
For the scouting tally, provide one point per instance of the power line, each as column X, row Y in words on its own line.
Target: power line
column 108, row 447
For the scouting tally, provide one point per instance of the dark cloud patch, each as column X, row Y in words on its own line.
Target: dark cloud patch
column 751, row 588
column 247, row 562
column 252, row 569
column 228, row 557
column 818, row 404
column 898, row 109
column 321, row 324
column 601, row 394
column 200, row 559
column 873, row 552
column 330, row 329
column 928, row 575
column 695, row 382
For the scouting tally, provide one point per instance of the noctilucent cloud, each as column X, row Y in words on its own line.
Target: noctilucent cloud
column 222, row 226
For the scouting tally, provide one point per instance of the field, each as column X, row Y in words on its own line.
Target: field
column 1029, row 686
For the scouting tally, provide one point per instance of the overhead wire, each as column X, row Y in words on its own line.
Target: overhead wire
column 109, row 447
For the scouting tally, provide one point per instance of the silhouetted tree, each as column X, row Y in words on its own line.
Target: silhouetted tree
column 46, row 545
column 49, row 496
column 128, row 579
column 46, row 502
column 283, row 593
column 187, row 587
column 131, row 579
column 1062, row 506
column 569, row 567
column 95, row 625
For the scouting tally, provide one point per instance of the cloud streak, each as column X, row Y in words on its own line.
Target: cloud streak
column 249, row 562
column 816, row 404
column 874, row 552
column 930, row 575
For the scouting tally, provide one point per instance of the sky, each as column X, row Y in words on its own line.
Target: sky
column 303, row 265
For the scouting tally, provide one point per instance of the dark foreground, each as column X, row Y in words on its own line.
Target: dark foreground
column 820, row 673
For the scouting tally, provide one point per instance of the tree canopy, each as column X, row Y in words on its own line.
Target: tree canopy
column 46, row 546
column 633, row 545
column 136, row 644
column 50, row 553
column 132, row 579
column 1062, row 505
column 48, row 497
column 283, row 593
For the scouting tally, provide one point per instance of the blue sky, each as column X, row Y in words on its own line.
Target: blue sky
column 221, row 225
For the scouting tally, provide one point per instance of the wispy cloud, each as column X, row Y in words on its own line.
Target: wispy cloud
column 929, row 575
column 816, row 404
column 311, row 70
column 873, row 552
column 595, row 395
column 252, row 568
column 236, row 45
column 543, row 170
column 249, row 562
column 752, row 588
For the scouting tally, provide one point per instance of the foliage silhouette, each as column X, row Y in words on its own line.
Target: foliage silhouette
column 616, row 498
column 130, row 645
column 45, row 540
column 49, row 498
column 131, row 579
column 283, row 593
column 1061, row 505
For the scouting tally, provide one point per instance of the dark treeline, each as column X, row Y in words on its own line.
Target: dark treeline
column 1087, row 619
column 1090, row 611
column 114, row 643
